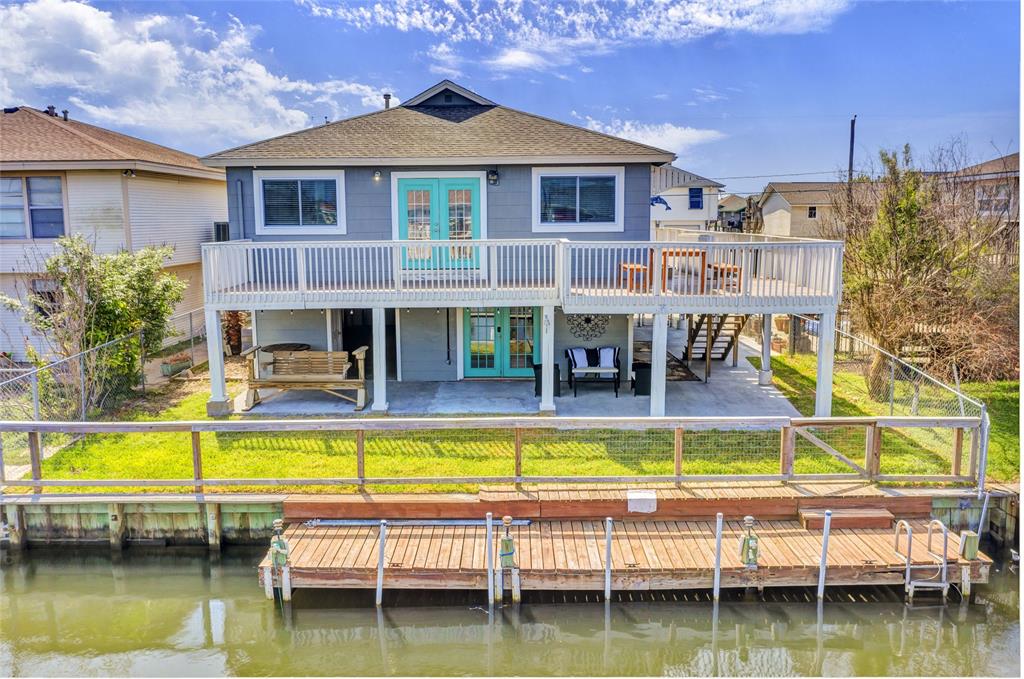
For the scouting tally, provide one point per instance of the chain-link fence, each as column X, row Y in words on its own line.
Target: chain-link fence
column 93, row 385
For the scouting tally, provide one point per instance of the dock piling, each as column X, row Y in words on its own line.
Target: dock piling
column 268, row 582
column 286, row 584
column 489, row 537
column 608, row 559
column 824, row 554
column 380, row 562
column 718, row 555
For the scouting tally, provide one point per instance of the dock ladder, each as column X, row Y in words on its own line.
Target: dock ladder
column 938, row 581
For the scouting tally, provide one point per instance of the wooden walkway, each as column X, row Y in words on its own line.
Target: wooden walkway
column 646, row 555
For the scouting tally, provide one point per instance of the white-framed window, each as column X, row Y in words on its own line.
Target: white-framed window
column 993, row 198
column 31, row 207
column 812, row 212
column 696, row 198
column 578, row 199
column 300, row 202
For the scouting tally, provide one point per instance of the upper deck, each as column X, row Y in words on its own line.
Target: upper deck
column 705, row 273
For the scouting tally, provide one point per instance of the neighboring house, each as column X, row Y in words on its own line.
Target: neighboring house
column 461, row 239
column 996, row 186
column 731, row 209
column 59, row 177
column 690, row 202
column 796, row 209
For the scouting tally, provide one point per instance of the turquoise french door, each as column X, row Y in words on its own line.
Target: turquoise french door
column 439, row 209
column 501, row 341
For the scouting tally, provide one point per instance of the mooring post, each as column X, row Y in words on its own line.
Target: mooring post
column 380, row 561
column 268, row 582
column 212, row 525
column 608, row 559
column 824, row 554
column 117, row 528
column 489, row 537
column 286, row 583
column 718, row 555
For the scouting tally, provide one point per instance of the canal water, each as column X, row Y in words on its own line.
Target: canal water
column 182, row 613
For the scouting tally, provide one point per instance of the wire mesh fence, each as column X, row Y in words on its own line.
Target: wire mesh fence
column 93, row 385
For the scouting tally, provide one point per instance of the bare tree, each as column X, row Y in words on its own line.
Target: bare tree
column 918, row 267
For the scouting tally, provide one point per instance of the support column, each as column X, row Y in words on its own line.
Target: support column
column 764, row 376
column 380, row 362
column 218, row 405
column 630, row 332
column 547, row 357
column 826, row 356
column 659, row 349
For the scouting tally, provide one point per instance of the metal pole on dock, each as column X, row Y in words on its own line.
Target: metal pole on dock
column 380, row 561
column 824, row 554
column 489, row 536
column 984, row 515
column 608, row 559
column 718, row 555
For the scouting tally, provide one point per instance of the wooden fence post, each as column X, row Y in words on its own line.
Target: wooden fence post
column 787, row 452
column 35, row 460
column 873, row 450
column 197, row 463
column 361, row 455
column 677, row 452
column 519, row 454
column 958, row 450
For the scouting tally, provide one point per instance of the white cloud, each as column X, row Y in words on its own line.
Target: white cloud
column 444, row 60
column 709, row 94
column 669, row 136
column 172, row 79
column 540, row 34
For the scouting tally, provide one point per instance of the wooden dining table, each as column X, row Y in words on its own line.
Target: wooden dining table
column 629, row 271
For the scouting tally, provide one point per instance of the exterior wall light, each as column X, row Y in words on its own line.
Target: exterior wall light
column 492, row 177
column 376, row 175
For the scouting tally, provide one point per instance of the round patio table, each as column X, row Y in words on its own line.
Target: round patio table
column 285, row 346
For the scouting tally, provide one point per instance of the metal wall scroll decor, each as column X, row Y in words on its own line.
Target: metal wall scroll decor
column 587, row 326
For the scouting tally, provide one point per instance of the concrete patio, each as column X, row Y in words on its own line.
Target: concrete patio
column 731, row 392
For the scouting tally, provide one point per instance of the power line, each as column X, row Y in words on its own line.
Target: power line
column 785, row 174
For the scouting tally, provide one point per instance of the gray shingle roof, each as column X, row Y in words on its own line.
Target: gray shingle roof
column 441, row 134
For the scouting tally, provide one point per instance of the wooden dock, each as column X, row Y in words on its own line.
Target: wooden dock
column 437, row 541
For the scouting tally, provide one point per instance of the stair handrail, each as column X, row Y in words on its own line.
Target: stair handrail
column 900, row 526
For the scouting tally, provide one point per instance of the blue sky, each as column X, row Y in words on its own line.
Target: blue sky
column 767, row 90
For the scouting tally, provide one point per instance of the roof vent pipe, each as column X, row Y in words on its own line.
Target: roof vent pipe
column 387, row 100
column 65, row 114
column 51, row 110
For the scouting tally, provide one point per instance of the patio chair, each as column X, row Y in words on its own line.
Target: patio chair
column 593, row 365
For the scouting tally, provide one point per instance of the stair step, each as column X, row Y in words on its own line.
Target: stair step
column 814, row 519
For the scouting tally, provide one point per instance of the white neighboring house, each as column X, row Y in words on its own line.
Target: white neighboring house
column 796, row 209
column 692, row 202
column 61, row 176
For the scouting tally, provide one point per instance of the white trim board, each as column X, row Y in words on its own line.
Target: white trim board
column 339, row 229
column 618, row 226
column 481, row 176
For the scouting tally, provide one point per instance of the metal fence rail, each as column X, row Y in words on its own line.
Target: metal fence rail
column 533, row 450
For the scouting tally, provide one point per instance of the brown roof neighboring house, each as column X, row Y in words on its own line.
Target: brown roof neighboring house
column 1005, row 166
column 802, row 193
column 732, row 203
column 420, row 132
column 34, row 139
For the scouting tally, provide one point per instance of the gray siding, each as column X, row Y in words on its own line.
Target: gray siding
column 368, row 204
column 423, row 340
column 302, row 325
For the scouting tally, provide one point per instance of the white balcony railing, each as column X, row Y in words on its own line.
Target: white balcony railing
column 705, row 274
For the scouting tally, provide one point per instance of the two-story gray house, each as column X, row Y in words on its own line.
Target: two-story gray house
column 461, row 239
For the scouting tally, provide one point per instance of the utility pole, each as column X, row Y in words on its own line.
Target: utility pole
column 849, row 170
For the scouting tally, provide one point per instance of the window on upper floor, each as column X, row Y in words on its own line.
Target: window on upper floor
column 31, row 207
column 812, row 212
column 300, row 202
column 696, row 198
column 578, row 199
column 993, row 198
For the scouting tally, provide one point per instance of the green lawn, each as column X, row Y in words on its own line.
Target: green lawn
column 475, row 452
column 795, row 377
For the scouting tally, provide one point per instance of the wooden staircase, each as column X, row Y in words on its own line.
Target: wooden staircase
column 725, row 334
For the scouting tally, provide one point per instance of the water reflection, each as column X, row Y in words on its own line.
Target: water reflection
column 184, row 613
